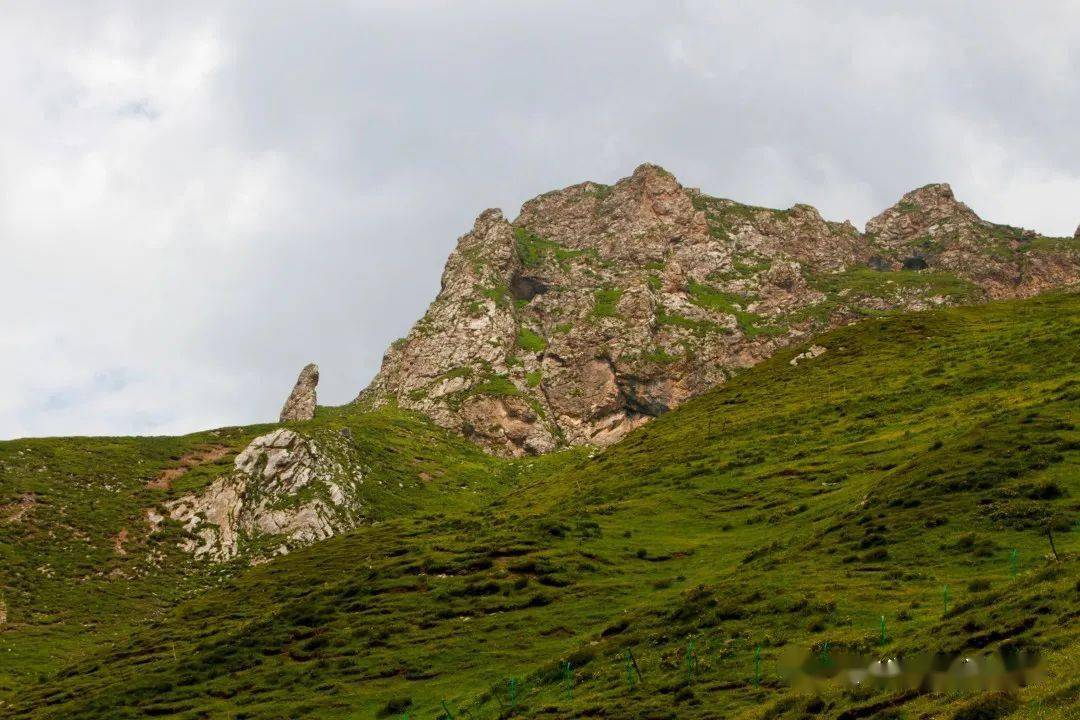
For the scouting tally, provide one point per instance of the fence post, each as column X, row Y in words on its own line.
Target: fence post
column 691, row 662
column 631, row 668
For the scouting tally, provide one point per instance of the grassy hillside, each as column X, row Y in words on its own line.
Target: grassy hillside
column 797, row 505
column 80, row 568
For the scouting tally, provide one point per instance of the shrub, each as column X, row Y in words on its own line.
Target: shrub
column 878, row 553
column 987, row 707
column 395, row 706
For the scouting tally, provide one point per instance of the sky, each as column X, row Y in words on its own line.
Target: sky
column 197, row 200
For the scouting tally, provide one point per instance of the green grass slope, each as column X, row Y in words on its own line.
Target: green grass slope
column 797, row 505
column 79, row 566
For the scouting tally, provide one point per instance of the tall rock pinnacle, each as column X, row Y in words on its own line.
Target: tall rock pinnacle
column 301, row 402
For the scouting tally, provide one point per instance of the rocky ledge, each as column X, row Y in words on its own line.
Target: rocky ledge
column 285, row 490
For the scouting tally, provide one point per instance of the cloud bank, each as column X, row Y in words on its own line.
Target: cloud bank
column 196, row 201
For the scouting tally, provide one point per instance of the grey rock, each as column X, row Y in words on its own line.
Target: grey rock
column 301, row 402
column 285, row 489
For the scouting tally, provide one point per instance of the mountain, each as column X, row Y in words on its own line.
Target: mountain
column 601, row 307
column 890, row 488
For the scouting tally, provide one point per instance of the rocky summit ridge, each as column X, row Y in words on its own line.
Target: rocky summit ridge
column 602, row 306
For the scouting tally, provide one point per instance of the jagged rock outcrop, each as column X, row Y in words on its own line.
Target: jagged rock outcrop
column 930, row 230
column 285, row 490
column 300, row 405
column 600, row 307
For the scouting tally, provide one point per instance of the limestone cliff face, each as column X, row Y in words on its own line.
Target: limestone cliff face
column 286, row 490
column 601, row 306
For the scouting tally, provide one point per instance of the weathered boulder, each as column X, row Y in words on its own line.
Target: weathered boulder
column 300, row 404
column 285, row 490
column 812, row 352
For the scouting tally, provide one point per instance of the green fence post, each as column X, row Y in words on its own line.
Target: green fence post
column 1012, row 563
column 632, row 669
column 945, row 599
column 568, row 674
column 825, row 661
column 884, row 637
column 513, row 694
column 691, row 662
column 757, row 666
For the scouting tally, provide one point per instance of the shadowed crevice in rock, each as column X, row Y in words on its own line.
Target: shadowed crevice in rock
column 523, row 287
column 637, row 397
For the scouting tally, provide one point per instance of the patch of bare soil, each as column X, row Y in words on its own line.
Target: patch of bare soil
column 15, row 511
column 165, row 478
column 119, row 540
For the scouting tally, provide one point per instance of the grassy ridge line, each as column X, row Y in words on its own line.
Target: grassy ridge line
column 795, row 505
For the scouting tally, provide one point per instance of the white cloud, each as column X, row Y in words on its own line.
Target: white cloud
column 196, row 200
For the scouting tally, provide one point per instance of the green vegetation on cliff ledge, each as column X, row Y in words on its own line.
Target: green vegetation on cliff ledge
column 796, row 505
column 750, row 323
column 532, row 249
column 607, row 301
column 528, row 340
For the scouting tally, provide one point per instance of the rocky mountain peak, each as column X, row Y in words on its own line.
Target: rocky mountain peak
column 601, row 306
column 635, row 220
column 931, row 193
column 931, row 209
column 485, row 255
column 487, row 220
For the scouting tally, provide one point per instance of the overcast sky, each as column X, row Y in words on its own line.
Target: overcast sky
column 195, row 202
